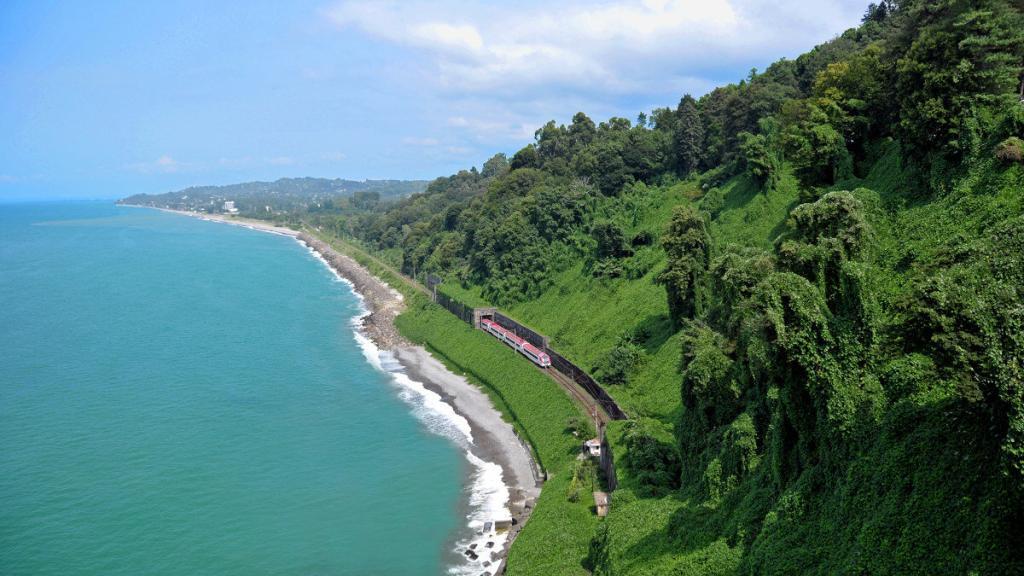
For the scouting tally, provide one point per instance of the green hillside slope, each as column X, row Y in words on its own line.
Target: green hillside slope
column 805, row 288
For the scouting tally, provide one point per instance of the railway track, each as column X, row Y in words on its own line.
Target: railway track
column 589, row 404
column 580, row 396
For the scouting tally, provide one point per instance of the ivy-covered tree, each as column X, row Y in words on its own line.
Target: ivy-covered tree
column 816, row 149
column 688, row 249
column 761, row 155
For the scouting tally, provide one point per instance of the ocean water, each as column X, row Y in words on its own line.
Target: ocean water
column 184, row 397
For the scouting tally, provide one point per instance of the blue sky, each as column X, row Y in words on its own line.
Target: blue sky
column 103, row 99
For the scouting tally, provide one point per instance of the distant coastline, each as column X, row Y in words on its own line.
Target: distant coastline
column 250, row 223
column 494, row 439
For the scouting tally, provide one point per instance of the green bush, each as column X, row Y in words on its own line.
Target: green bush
column 1011, row 150
column 620, row 363
column 713, row 202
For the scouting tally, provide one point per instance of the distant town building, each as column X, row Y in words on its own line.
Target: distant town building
column 229, row 207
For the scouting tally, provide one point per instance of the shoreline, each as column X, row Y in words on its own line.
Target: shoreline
column 249, row 223
column 493, row 439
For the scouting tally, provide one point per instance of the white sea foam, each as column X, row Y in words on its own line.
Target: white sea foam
column 427, row 405
column 488, row 502
column 488, row 494
column 327, row 264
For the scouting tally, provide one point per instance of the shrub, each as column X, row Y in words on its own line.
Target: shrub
column 611, row 240
column 640, row 263
column 714, row 202
column 607, row 268
column 621, row 360
column 1011, row 150
column 582, row 472
column 653, row 463
column 642, row 238
column 579, row 427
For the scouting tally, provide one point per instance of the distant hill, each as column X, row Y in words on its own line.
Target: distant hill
column 283, row 195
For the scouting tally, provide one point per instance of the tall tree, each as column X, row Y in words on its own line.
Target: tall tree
column 581, row 131
column 689, row 136
column 959, row 66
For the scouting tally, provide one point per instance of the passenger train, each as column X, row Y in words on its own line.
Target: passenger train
column 509, row 337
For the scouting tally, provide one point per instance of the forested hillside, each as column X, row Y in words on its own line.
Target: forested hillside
column 284, row 197
column 806, row 288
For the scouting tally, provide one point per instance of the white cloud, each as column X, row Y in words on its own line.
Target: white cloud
column 281, row 161
column 416, row 141
column 489, row 74
column 166, row 161
column 165, row 164
column 448, row 37
column 617, row 47
column 489, row 129
column 240, row 162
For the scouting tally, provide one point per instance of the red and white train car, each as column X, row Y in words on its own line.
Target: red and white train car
column 535, row 355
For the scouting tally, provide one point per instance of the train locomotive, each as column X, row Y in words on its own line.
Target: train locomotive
column 535, row 355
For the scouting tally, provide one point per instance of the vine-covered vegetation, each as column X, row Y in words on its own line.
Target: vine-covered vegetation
column 807, row 287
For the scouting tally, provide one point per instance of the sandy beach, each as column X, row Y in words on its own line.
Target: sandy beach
column 494, row 439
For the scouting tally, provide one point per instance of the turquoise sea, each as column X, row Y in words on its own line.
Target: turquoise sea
column 185, row 397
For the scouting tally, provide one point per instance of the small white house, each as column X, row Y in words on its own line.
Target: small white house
column 593, row 447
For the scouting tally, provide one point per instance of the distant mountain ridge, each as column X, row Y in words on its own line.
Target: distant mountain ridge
column 284, row 194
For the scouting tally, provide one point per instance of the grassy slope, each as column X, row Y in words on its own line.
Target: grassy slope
column 639, row 526
column 585, row 316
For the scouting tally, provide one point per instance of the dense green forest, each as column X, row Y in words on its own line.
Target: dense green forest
column 807, row 288
column 285, row 198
